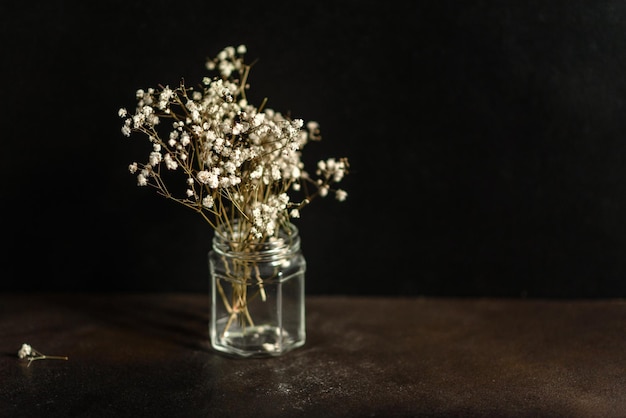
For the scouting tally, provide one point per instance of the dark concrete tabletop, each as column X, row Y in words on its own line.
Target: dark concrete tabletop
column 148, row 355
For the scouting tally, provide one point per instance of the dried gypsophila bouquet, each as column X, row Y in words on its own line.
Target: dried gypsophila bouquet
column 238, row 163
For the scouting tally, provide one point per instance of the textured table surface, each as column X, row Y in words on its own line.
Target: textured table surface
column 148, row 355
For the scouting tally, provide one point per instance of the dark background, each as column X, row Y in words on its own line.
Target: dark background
column 487, row 142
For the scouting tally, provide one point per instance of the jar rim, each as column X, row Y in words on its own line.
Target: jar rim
column 226, row 241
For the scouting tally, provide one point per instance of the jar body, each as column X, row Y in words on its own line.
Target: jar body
column 257, row 295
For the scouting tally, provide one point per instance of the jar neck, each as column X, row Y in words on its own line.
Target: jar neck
column 231, row 241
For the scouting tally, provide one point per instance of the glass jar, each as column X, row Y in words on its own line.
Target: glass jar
column 257, row 294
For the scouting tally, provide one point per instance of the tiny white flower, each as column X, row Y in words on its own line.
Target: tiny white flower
column 312, row 125
column 203, row 176
column 208, row 202
column 155, row 158
column 184, row 139
column 170, row 163
column 142, row 180
column 25, row 351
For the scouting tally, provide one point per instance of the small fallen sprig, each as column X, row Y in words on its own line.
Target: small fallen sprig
column 29, row 353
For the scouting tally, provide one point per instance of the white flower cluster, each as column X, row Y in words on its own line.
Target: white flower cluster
column 236, row 160
column 25, row 351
